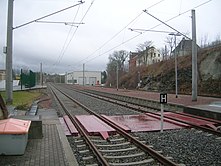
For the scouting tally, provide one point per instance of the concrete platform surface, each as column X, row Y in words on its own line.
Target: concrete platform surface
column 52, row 150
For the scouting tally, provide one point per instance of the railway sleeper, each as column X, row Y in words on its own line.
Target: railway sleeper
column 113, row 145
column 81, row 146
column 117, row 150
column 87, row 158
column 91, row 165
column 84, row 151
column 143, row 162
column 78, row 140
column 109, row 140
column 124, row 156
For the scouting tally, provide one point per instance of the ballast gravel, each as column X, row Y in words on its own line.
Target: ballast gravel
column 187, row 146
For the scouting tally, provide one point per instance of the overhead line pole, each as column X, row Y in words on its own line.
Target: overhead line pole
column 9, row 79
column 194, row 58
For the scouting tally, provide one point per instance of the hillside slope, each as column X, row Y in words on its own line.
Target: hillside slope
column 161, row 76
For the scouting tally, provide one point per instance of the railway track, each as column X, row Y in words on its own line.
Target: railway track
column 120, row 149
column 146, row 109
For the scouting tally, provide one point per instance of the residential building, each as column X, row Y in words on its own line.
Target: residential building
column 147, row 57
column 184, row 48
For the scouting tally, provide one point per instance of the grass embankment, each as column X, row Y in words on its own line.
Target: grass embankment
column 22, row 100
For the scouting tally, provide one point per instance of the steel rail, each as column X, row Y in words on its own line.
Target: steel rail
column 151, row 152
column 109, row 99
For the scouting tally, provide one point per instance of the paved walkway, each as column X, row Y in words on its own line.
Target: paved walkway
column 52, row 150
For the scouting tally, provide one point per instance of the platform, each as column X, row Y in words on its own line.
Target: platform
column 212, row 110
column 52, row 149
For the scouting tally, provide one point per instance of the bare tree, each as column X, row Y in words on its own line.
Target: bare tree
column 117, row 58
column 144, row 46
column 164, row 52
column 204, row 41
column 170, row 42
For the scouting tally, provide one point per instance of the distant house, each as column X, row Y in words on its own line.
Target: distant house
column 184, row 48
column 132, row 60
column 2, row 74
column 147, row 57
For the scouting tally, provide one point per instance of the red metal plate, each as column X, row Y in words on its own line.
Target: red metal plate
column 70, row 125
column 65, row 127
column 93, row 125
column 125, row 128
column 192, row 120
column 143, row 122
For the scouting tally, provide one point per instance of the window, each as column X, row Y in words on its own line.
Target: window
column 158, row 55
column 154, row 54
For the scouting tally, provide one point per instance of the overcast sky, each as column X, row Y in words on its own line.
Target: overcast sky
column 62, row 48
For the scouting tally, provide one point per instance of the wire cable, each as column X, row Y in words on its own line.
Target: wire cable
column 48, row 15
column 148, row 30
column 115, row 35
column 65, row 48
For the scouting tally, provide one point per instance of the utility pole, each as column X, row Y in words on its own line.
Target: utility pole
column 9, row 79
column 41, row 76
column 194, row 58
column 117, row 75
column 175, row 56
column 83, row 73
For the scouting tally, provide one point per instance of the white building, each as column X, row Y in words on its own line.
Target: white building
column 149, row 56
column 90, row 78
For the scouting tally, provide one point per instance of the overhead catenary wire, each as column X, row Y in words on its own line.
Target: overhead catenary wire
column 148, row 30
column 66, row 47
column 138, row 30
column 66, row 40
column 60, row 22
column 115, row 35
column 48, row 15
column 166, row 24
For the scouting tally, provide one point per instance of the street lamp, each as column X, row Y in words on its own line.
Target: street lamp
column 175, row 55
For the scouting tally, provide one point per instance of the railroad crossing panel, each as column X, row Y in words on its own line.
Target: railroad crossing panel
column 95, row 126
column 65, row 127
column 192, row 120
column 138, row 123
